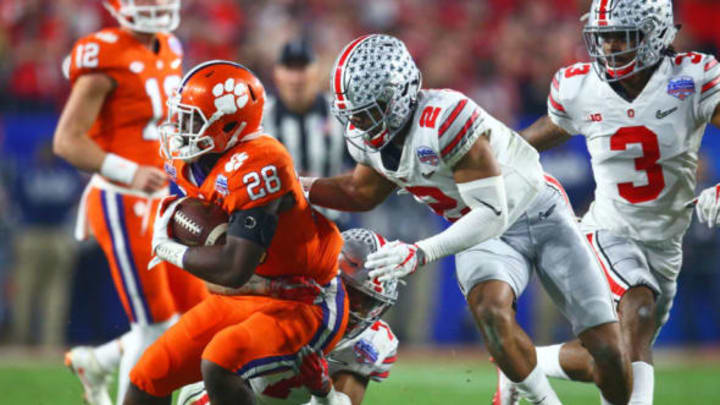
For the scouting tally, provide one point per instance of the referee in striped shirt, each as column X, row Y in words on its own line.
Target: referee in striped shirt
column 298, row 115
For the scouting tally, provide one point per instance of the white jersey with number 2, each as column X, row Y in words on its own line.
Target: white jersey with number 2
column 644, row 153
column 444, row 127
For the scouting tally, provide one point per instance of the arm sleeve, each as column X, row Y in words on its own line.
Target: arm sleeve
column 488, row 218
column 460, row 124
column 709, row 88
column 556, row 106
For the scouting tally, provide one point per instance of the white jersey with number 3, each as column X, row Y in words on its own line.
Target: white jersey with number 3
column 444, row 127
column 644, row 153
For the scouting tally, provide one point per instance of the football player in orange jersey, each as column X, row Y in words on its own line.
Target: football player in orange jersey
column 121, row 78
column 218, row 153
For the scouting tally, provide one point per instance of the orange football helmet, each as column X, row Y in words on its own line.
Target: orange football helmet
column 147, row 16
column 217, row 104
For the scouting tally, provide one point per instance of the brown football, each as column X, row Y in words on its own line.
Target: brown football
column 199, row 223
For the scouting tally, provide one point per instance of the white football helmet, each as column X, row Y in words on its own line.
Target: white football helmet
column 375, row 83
column 147, row 16
column 646, row 26
column 369, row 298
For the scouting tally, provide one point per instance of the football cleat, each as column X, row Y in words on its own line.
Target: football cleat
column 82, row 362
column 506, row 393
column 193, row 394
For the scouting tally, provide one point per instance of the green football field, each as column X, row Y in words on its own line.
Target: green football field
column 440, row 378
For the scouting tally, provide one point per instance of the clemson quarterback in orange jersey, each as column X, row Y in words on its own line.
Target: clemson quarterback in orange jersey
column 218, row 153
column 121, row 78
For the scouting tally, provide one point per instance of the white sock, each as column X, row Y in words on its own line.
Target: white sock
column 108, row 354
column 604, row 401
column 548, row 359
column 643, row 383
column 137, row 340
column 536, row 388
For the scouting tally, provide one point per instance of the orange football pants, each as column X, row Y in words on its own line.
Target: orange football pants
column 248, row 335
column 123, row 226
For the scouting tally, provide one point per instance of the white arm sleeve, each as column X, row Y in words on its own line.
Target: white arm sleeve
column 487, row 219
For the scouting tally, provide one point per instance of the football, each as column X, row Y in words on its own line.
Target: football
column 199, row 223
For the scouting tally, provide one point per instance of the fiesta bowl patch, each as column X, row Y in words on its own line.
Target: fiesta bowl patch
column 681, row 87
column 427, row 156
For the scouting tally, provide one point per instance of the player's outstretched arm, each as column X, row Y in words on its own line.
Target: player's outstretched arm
column 360, row 190
column 80, row 112
column 543, row 134
column 715, row 120
column 482, row 188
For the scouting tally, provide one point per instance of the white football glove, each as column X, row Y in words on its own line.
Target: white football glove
column 708, row 206
column 394, row 260
column 164, row 214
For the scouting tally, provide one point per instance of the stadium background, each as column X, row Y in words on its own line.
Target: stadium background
column 502, row 53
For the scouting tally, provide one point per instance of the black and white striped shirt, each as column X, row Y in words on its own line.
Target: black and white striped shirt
column 314, row 139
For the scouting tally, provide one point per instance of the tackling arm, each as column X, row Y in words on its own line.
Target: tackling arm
column 543, row 134
column 715, row 120
column 360, row 190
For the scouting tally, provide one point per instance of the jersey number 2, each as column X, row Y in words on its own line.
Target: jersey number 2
column 647, row 163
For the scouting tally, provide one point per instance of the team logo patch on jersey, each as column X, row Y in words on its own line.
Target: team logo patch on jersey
column 221, row 185
column 170, row 170
column 365, row 352
column 236, row 161
column 427, row 156
column 681, row 87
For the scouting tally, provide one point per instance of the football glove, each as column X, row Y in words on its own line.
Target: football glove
column 314, row 372
column 161, row 236
column 394, row 260
column 708, row 206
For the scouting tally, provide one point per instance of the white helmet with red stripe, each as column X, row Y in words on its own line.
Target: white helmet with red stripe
column 376, row 83
column 369, row 298
column 146, row 16
column 645, row 26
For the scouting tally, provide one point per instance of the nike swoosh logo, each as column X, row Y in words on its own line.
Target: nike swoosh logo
column 662, row 114
column 493, row 209
column 539, row 401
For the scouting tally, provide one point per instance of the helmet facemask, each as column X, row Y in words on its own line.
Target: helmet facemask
column 147, row 16
column 644, row 27
column 618, row 65
column 184, row 135
column 369, row 299
column 376, row 85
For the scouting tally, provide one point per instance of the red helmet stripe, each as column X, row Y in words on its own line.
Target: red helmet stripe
column 339, row 68
column 602, row 13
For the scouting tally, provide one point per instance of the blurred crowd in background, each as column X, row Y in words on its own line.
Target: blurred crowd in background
column 502, row 53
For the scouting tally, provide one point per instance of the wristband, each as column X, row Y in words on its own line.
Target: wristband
column 171, row 252
column 118, row 168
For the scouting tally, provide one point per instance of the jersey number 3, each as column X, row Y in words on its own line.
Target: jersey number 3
column 647, row 163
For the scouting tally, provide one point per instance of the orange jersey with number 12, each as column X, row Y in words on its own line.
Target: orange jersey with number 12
column 127, row 123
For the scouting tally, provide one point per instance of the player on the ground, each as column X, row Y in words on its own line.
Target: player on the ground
column 643, row 112
column 219, row 153
column 366, row 352
column 479, row 174
column 121, row 78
